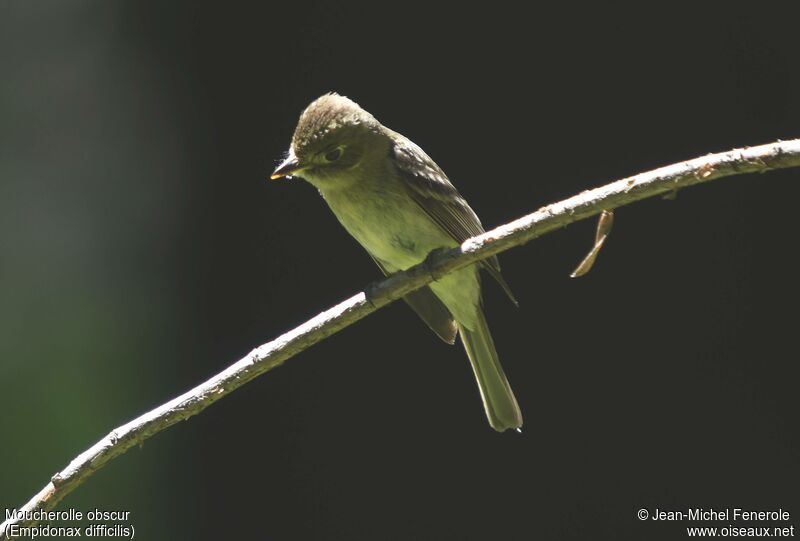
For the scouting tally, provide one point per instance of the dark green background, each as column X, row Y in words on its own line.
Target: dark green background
column 142, row 251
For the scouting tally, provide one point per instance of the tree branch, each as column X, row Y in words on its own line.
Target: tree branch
column 264, row 358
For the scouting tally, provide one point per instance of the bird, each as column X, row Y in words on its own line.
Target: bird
column 393, row 199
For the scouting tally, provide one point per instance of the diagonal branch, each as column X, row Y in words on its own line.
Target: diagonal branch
column 780, row 155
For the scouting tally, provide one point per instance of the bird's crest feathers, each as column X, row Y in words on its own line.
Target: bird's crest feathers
column 326, row 115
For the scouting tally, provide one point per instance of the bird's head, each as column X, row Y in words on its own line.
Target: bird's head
column 333, row 136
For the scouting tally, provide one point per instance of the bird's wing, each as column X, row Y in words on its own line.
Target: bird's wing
column 430, row 188
column 428, row 307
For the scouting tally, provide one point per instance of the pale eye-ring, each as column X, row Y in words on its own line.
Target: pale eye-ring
column 333, row 155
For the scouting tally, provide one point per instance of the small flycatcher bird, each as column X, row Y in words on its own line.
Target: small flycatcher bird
column 399, row 205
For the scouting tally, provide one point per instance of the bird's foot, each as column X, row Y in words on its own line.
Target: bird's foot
column 370, row 292
column 430, row 263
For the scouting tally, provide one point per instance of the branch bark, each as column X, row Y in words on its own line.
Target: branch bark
column 780, row 155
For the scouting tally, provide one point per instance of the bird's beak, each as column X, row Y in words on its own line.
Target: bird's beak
column 289, row 166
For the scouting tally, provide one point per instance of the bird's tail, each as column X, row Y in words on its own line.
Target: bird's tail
column 498, row 398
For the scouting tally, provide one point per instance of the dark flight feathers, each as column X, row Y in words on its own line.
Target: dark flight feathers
column 430, row 188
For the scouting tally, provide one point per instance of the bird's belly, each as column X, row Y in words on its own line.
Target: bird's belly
column 393, row 229
column 398, row 233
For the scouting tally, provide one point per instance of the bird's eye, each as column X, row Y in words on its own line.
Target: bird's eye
column 333, row 155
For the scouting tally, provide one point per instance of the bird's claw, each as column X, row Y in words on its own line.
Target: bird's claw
column 370, row 292
column 429, row 263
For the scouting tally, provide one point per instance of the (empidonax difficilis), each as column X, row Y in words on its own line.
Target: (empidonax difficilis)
column 399, row 205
